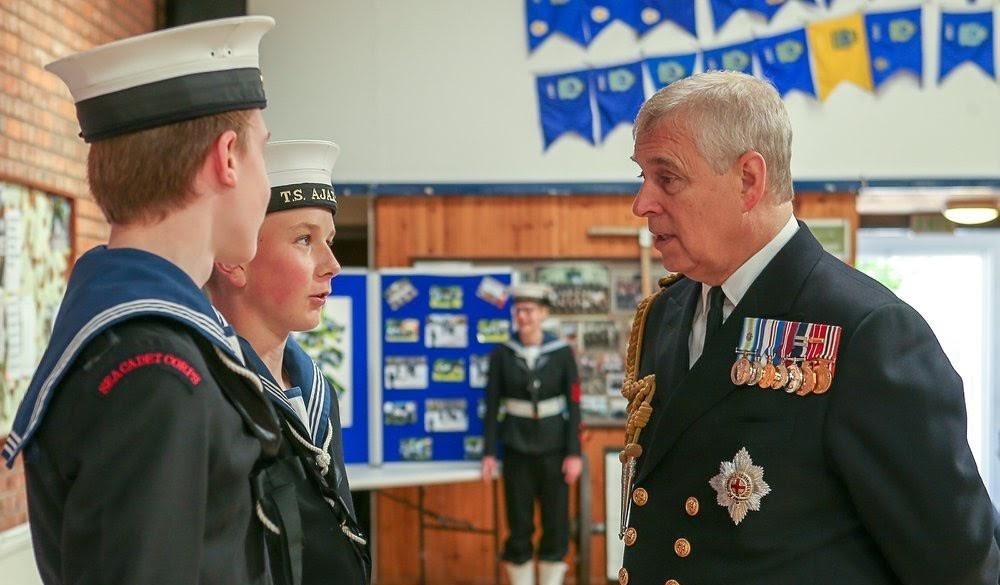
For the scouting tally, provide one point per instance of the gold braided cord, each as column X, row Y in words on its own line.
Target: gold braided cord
column 639, row 393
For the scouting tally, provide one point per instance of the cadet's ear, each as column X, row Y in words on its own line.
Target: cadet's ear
column 234, row 274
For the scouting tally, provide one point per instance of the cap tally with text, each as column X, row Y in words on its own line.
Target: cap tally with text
column 532, row 291
column 300, row 173
column 167, row 76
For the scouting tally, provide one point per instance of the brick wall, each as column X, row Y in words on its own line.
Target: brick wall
column 39, row 145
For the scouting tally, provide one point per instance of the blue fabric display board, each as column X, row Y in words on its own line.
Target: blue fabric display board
column 437, row 332
column 340, row 346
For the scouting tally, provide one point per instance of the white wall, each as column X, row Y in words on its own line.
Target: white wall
column 443, row 91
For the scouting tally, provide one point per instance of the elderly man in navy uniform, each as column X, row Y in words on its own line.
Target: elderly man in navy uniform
column 533, row 378
column 790, row 420
column 142, row 426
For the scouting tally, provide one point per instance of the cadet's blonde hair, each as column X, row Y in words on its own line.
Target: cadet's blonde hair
column 728, row 114
column 143, row 176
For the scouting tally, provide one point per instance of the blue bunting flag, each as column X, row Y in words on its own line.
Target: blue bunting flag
column 652, row 13
column 966, row 36
column 619, row 94
column 784, row 61
column 736, row 57
column 666, row 70
column 545, row 17
column 722, row 10
column 895, row 44
column 601, row 13
column 564, row 105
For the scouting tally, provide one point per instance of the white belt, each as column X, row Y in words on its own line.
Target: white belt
column 541, row 409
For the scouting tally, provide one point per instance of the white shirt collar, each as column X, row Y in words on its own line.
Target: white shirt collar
column 739, row 282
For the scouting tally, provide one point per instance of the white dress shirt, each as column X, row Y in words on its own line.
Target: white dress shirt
column 735, row 287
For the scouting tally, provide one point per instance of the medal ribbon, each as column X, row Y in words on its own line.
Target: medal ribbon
column 817, row 340
column 830, row 345
column 747, row 336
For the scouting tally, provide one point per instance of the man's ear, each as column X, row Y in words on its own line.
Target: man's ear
column 753, row 179
column 234, row 274
column 221, row 161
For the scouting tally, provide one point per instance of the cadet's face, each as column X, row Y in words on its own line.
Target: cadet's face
column 254, row 190
column 528, row 315
column 288, row 280
column 694, row 214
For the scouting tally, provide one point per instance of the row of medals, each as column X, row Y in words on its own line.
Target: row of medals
column 800, row 377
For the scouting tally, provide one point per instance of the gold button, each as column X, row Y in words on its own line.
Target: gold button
column 671, row 582
column 640, row 496
column 630, row 536
column 623, row 576
column 682, row 547
column 691, row 506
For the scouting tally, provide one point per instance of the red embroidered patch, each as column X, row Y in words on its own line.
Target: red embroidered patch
column 575, row 392
column 153, row 358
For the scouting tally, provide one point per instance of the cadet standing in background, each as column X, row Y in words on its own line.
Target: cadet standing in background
column 533, row 378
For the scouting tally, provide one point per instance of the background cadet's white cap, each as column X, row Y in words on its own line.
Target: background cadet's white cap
column 300, row 173
column 533, row 291
column 166, row 76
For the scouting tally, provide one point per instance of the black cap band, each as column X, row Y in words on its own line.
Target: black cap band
column 170, row 101
column 302, row 195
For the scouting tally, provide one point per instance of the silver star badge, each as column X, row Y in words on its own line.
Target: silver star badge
column 740, row 486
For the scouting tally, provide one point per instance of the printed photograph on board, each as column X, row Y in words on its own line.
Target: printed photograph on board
column 406, row 372
column 402, row 330
column 416, row 448
column 449, row 370
column 446, row 297
column 399, row 413
column 446, row 330
column 446, row 415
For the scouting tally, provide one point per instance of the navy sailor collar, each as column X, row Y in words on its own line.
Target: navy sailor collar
column 107, row 287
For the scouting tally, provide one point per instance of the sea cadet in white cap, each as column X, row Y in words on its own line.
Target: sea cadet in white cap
column 142, row 425
column 284, row 289
column 533, row 378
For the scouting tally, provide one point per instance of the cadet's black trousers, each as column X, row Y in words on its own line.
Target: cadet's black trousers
column 528, row 478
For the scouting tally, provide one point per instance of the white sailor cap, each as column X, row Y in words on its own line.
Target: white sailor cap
column 166, row 76
column 300, row 173
column 533, row 291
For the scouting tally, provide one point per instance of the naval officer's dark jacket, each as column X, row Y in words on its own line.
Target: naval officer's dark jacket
column 872, row 483
column 554, row 375
column 145, row 478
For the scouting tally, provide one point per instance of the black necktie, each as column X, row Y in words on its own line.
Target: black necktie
column 714, row 321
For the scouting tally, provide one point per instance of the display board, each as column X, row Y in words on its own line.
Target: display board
column 34, row 257
column 437, row 330
column 339, row 345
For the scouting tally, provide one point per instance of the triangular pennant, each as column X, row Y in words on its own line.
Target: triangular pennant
column 966, row 36
column 784, row 61
column 668, row 69
column 564, row 105
column 895, row 44
column 619, row 94
column 840, row 51
column 738, row 57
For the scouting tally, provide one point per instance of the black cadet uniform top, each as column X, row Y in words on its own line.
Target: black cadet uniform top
column 871, row 483
column 140, row 472
column 534, row 445
column 308, row 495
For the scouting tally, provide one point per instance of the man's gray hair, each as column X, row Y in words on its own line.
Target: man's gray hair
column 728, row 114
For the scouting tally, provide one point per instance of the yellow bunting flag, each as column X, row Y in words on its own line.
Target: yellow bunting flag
column 840, row 51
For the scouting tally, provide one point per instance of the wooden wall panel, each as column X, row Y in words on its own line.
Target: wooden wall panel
column 500, row 227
